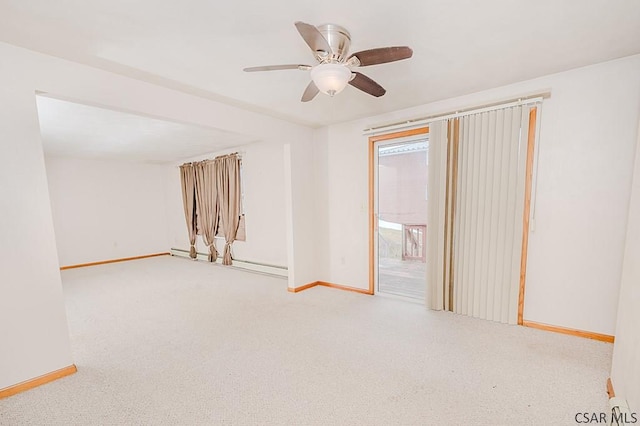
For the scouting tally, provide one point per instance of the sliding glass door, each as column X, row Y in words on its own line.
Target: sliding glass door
column 450, row 211
column 400, row 216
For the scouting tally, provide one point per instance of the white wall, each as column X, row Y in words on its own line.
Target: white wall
column 583, row 183
column 321, row 191
column 301, row 215
column 106, row 209
column 33, row 327
column 264, row 206
column 279, row 205
column 343, row 182
column 625, row 373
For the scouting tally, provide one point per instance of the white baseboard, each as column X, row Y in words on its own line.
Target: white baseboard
column 262, row 268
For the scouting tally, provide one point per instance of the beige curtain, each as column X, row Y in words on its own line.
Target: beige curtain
column 228, row 184
column 207, row 203
column 188, row 180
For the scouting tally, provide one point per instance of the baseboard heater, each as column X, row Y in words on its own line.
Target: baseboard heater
column 246, row 265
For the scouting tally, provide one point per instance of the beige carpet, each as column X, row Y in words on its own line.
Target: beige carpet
column 171, row 341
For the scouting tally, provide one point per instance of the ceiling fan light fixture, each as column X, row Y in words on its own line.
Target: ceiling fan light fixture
column 330, row 44
column 330, row 78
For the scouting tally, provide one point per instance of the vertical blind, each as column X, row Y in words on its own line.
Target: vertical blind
column 476, row 192
column 436, row 190
column 488, row 225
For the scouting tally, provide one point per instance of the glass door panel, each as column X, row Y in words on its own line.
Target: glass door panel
column 401, row 212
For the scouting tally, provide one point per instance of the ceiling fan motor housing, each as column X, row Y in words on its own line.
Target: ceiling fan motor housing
column 338, row 38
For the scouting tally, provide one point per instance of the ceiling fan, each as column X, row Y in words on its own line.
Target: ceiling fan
column 330, row 45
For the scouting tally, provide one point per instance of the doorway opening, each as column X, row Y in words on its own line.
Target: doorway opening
column 399, row 213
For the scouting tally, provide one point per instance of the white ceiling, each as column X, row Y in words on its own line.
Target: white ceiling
column 70, row 129
column 201, row 46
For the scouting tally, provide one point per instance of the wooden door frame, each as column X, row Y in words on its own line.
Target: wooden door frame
column 372, row 142
column 531, row 141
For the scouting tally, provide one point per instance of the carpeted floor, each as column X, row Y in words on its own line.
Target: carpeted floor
column 171, row 341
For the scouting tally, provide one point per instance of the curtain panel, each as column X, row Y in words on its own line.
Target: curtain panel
column 188, row 181
column 228, row 185
column 208, row 204
column 211, row 195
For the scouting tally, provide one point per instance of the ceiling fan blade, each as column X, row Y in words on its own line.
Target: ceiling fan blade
column 310, row 92
column 278, row 67
column 382, row 55
column 364, row 83
column 313, row 38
